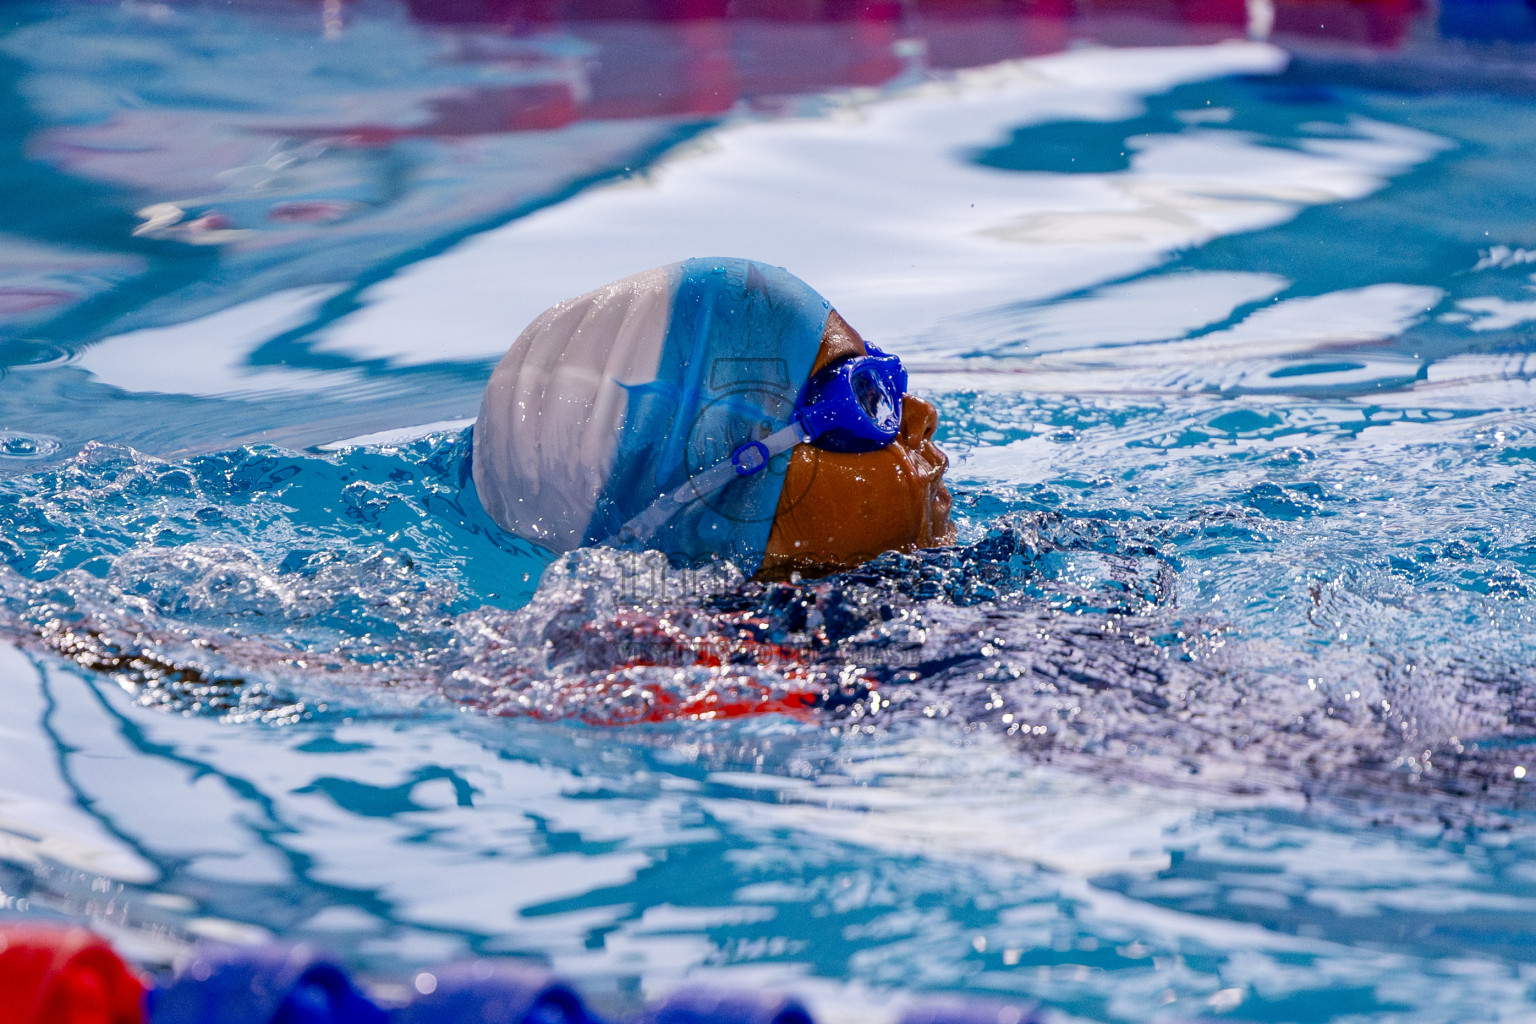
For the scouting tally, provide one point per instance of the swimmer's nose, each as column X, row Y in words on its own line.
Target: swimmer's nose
column 919, row 419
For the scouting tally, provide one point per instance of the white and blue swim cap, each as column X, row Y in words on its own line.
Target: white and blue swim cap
column 609, row 402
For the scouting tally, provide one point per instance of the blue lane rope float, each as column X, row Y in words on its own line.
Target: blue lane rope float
column 712, row 1006
column 488, row 992
column 58, row 975
column 272, row 984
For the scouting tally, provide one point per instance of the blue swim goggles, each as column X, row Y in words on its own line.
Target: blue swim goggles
column 851, row 406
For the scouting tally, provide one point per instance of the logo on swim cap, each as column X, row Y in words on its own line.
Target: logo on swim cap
column 730, row 430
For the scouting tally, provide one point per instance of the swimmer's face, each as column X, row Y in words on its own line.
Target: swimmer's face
column 839, row 509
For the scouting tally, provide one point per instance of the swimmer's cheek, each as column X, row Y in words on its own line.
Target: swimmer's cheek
column 855, row 507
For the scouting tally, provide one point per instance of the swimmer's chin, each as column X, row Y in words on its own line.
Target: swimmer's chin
column 943, row 531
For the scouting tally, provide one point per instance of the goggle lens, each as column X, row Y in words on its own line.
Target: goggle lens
column 855, row 405
column 875, row 398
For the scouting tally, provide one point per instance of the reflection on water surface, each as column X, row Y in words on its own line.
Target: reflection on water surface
column 1221, row 706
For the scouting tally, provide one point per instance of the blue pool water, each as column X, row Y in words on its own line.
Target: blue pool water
column 1222, row 707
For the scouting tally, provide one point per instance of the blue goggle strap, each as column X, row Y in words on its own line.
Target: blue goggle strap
column 811, row 421
column 748, row 458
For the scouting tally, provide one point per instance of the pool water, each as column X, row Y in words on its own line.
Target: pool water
column 1222, row 706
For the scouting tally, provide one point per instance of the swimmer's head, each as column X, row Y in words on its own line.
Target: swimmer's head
column 838, row 509
column 669, row 410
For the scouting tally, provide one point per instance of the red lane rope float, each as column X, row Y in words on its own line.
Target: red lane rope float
column 54, row 975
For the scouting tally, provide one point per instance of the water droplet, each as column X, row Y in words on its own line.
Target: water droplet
column 16, row 445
